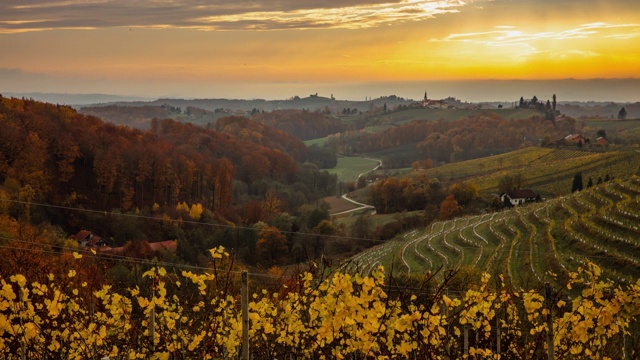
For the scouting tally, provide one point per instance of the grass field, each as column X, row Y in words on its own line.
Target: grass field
column 338, row 204
column 613, row 125
column 320, row 141
column 349, row 168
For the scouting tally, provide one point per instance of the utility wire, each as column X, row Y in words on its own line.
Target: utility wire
column 191, row 222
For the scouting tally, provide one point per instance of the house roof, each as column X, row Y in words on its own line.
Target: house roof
column 167, row 245
column 574, row 137
column 81, row 235
column 521, row 194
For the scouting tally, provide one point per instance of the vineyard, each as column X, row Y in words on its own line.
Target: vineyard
column 528, row 245
column 547, row 171
column 188, row 315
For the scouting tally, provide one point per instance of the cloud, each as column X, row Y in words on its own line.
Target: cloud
column 39, row 15
column 507, row 35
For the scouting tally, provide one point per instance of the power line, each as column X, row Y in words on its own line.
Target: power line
column 441, row 233
column 113, row 257
column 191, row 222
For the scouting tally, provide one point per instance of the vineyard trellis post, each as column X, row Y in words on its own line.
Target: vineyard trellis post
column 245, row 315
column 152, row 313
column 547, row 295
column 466, row 340
column 24, row 343
column 497, row 333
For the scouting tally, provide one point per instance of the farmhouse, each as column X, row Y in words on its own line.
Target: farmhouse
column 88, row 239
column 159, row 247
column 601, row 141
column 575, row 139
column 519, row 197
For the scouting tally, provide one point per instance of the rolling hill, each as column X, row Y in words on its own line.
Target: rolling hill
column 530, row 244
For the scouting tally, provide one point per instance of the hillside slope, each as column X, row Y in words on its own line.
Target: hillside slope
column 531, row 244
column 548, row 171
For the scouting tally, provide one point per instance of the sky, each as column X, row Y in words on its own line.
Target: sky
column 276, row 49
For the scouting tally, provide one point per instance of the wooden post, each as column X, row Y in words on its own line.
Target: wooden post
column 497, row 333
column 466, row 340
column 547, row 295
column 152, row 314
column 245, row 315
column 24, row 340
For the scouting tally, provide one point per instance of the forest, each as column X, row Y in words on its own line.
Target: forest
column 466, row 138
column 71, row 171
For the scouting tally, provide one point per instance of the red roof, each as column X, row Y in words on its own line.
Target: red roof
column 81, row 235
column 167, row 245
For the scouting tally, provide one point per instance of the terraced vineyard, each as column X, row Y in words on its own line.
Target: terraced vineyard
column 548, row 171
column 530, row 244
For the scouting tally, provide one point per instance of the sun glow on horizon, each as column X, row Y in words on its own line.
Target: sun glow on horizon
column 296, row 41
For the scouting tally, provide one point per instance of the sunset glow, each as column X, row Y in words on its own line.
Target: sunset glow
column 107, row 45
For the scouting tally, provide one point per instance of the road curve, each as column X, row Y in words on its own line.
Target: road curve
column 361, row 206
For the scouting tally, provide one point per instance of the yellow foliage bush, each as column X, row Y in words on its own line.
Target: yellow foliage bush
column 332, row 318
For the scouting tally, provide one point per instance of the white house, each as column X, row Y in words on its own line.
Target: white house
column 519, row 197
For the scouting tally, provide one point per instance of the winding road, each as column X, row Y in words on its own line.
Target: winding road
column 360, row 205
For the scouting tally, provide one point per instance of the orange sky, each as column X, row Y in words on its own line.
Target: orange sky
column 188, row 47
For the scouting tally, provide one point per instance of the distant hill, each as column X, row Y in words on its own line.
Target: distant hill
column 607, row 110
column 75, row 99
column 310, row 103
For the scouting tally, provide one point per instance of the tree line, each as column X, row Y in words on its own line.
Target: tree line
column 243, row 173
column 449, row 141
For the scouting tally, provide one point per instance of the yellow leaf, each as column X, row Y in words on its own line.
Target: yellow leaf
column 19, row 279
column 163, row 355
column 76, row 255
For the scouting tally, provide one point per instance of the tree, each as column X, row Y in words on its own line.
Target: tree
column 577, row 183
column 272, row 204
column 534, row 100
column 506, row 203
column 511, row 182
column 361, row 228
column 271, row 246
column 554, row 104
column 602, row 133
column 464, row 192
column 449, row 208
column 362, row 182
column 521, row 104
column 590, row 182
column 622, row 114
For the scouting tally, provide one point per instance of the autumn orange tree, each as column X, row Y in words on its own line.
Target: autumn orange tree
column 449, row 208
column 271, row 246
